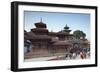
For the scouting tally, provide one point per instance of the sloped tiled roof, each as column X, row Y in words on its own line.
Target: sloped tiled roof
column 31, row 35
column 62, row 43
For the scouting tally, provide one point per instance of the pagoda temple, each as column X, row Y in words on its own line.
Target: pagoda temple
column 45, row 43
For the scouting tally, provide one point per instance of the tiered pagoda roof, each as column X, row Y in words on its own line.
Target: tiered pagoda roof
column 41, row 28
column 40, row 25
column 66, row 29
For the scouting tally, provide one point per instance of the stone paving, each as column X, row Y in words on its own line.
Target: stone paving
column 55, row 58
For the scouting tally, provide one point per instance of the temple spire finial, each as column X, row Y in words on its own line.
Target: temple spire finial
column 41, row 19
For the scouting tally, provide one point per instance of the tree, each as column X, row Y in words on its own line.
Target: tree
column 77, row 34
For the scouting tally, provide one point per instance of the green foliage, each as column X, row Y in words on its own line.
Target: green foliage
column 78, row 34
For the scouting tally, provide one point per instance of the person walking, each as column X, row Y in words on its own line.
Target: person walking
column 83, row 55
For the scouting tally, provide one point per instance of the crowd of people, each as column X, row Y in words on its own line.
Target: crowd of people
column 83, row 54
